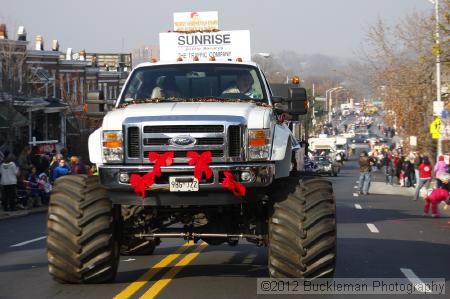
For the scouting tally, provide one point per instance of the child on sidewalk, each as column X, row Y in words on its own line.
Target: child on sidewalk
column 436, row 196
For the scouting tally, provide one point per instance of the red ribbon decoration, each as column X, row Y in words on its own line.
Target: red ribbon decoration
column 230, row 183
column 141, row 183
column 165, row 159
column 201, row 164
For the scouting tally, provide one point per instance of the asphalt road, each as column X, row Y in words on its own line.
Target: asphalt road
column 379, row 236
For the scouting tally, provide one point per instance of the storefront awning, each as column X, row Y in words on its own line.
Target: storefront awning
column 10, row 117
column 55, row 106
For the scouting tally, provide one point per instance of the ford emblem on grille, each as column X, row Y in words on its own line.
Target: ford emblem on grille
column 183, row 141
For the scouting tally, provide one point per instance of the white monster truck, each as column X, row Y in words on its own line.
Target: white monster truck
column 202, row 144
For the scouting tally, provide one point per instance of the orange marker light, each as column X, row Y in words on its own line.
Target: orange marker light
column 112, row 144
column 257, row 142
column 111, row 136
column 295, row 80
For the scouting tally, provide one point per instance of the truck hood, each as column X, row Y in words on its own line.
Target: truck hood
column 256, row 116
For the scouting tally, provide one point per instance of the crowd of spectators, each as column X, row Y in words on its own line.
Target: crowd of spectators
column 26, row 181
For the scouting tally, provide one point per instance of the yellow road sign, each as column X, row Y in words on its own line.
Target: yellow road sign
column 435, row 128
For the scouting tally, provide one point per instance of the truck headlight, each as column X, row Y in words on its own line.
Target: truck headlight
column 112, row 146
column 259, row 144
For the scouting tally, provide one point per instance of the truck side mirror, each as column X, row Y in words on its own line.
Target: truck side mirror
column 297, row 101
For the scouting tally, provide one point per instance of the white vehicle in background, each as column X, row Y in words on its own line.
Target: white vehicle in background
column 322, row 146
column 342, row 146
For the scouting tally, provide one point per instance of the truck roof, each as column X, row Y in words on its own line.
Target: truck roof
column 145, row 64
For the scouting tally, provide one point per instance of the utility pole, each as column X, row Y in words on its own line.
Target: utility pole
column 438, row 65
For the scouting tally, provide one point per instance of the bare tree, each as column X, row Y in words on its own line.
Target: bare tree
column 401, row 65
column 13, row 56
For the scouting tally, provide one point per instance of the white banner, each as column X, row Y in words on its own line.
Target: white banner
column 196, row 21
column 223, row 45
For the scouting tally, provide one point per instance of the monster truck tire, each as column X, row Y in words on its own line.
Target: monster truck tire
column 302, row 229
column 81, row 235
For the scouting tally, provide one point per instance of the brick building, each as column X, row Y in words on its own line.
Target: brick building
column 46, row 91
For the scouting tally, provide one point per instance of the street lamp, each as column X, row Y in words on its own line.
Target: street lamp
column 438, row 64
column 330, row 102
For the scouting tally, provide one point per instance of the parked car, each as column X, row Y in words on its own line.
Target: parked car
column 326, row 165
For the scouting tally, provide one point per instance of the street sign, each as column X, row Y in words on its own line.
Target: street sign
column 438, row 107
column 223, row 45
column 445, row 129
column 435, row 128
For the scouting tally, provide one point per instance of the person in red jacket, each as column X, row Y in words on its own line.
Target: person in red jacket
column 436, row 196
column 425, row 169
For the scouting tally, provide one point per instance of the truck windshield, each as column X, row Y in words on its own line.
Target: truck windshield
column 194, row 82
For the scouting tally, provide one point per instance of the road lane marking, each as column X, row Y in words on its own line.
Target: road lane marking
column 416, row 281
column 144, row 278
column 28, row 242
column 373, row 228
column 358, row 206
column 165, row 280
column 355, row 194
column 129, row 260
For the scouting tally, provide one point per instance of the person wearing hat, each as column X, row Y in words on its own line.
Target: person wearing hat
column 436, row 196
column 425, row 169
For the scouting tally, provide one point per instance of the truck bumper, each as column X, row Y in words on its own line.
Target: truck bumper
column 211, row 192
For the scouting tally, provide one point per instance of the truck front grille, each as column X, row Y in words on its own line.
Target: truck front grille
column 184, row 129
column 182, row 154
column 234, row 141
column 224, row 141
column 133, row 142
column 200, row 141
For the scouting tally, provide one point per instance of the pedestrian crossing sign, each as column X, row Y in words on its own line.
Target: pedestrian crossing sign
column 435, row 128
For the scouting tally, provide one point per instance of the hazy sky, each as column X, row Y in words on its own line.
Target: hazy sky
column 332, row 27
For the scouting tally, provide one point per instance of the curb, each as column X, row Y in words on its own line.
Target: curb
column 19, row 214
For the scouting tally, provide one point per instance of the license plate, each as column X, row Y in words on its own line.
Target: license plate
column 183, row 184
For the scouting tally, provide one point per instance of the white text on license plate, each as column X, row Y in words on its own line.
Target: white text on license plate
column 183, row 184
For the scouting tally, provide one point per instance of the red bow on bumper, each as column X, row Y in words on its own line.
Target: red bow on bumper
column 201, row 163
column 165, row 159
column 230, row 183
column 141, row 183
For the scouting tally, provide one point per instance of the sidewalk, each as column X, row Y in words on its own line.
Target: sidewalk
column 14, row 214
column 381, row 188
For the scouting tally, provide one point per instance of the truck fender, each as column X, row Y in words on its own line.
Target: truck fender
column 95, row 147
column 282, row 151
column 283, row 167
column 281, row 138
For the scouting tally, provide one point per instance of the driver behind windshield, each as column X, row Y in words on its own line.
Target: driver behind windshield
column 244, row 85
column 166, row 87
